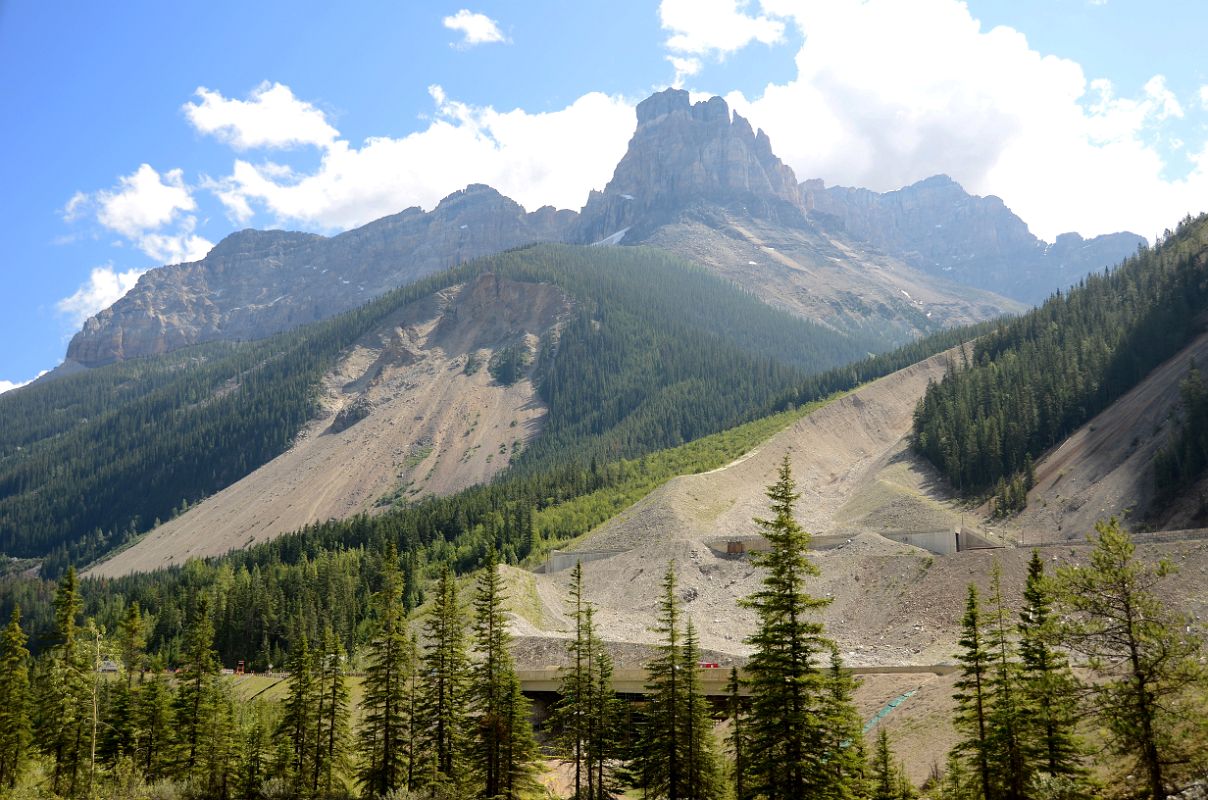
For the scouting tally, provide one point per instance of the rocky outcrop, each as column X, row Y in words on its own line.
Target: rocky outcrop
column 684, row 154
column 938, row 227
column 256, row 283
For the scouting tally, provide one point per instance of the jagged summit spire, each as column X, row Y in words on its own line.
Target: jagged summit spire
column 683, row 154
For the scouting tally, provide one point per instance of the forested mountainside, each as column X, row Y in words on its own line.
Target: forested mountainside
column 1035, row 379
column 322, row 570
column 656, row 353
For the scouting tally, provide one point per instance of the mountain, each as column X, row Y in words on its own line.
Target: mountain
column 937, row 227
column 257, row 283
column 698, row 181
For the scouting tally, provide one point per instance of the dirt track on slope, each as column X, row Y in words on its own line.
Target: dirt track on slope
column 431, row 428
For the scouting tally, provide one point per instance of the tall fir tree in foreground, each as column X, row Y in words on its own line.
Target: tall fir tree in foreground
column 332, row 717
column 887, row 779
column 587, row 711
column 1148, row 678
column 299, row 721
column 63, row 699
column 383, row 738
column 195, row 687
column 504, row 749
column 972, row 698
column 790, row 750
column 1009, row 714
column 15, row 727
column 444, row 690
column 737, row 741
column 676, row 757
column 1048, row 684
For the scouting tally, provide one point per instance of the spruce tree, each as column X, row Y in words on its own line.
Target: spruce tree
column 194, row 686
column 701, row 773
column 299, row 721
column 63, row 713
column 658, row 763
column 972, row 695
column 787, row 687
column 15, row 725
column 1008, row 713
column 332, row 719
column 1146, row 657
column 1047, row 682
column 121, row 732
column 843, row 735
column 737, row 740
column 887, row 778
column 155, row 723
column 605, row 711
column 383, row 739
column 572, row 709
column 504, row 749
column 444, row 690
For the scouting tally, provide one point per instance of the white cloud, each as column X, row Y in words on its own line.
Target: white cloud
column 551, row 158
column 474, row 28
column 8, row 386
column 887, row 93
column 715, row 27
column 142, row 201
column 104, row 287
column 271, row 117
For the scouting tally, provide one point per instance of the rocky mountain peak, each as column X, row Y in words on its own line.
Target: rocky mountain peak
column 683, row 154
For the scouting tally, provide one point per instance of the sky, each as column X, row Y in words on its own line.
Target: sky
column 141, row 133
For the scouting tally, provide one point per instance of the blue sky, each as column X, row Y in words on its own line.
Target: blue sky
column 139, row 133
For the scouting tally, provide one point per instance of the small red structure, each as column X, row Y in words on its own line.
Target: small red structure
column 239, row 667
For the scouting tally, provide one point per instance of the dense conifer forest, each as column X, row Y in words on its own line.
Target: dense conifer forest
column 1033, row 380
column 658, row 353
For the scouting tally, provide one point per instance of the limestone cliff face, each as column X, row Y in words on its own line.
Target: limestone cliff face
column 682, row 155
column 257, row 283
column 938, row 227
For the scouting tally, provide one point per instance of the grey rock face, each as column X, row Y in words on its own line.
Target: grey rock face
column 939, row 228
column 257, row 283
column 683, row 154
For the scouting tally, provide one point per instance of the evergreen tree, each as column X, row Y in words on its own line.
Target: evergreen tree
column 332, row 719
column 384, row 746
column 15, row 725
column 1145, row 657
column 257, row 749
column 737, row 740
column 217, row 758
column 63, row 714
column 444, row 689
column 843, row 735
column 504, row 749
column 888, row 779
column 787, row 688
column 154, row 722
column 701, row 773
column 1047, row 682
column 121, row 732
column 972, row 695
column 194, row 687
column 572, row 710
column 299, row 721
column 1008, row 713
column 605, row 711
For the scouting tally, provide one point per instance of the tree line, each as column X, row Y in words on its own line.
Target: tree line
column 1035, row 379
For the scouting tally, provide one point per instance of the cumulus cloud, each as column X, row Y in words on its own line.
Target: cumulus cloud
column 271, row 117
column 475, row 28
column 140, row 207
column 550, row 158
column 105, row 285
column 7, row 386
column 717, row 27
column 887, row 93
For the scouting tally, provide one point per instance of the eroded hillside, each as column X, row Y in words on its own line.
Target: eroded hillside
column 413, row 408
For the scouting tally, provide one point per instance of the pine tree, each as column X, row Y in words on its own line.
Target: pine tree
column 383, row 743
column 888, row 779
column 194, row 686
column 701, row 773
column 843, row 735
column 972, row 694
column 787, row 688
column 1008, row 712
column 572, row 710
column 299, row 721
column 257, row 749
column 63, row 713
column 737, row 740
column 605, row 712
column 332, row 719
column 504, row 748
column 217, row 761
column 121, row 732
column 154, row 722
column 1047, row 682
column 15, row 724
column 444, row 689
column 1145, row 656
